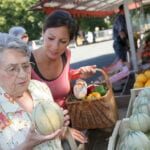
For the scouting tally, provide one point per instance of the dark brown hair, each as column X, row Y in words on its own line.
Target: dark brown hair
column 121, row 7
column 60, row 18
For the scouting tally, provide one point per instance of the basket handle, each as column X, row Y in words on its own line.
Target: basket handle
column 108, row 83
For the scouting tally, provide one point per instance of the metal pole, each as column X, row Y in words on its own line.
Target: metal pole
column 130, row 35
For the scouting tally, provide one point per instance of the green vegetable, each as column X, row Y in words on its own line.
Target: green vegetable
column 101, row 89
column 134, row 140
column 148, row 135
column 139, row 121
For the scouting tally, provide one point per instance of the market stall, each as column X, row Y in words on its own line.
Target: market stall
column 134, row 127
column 99, row 135
column 95, row 8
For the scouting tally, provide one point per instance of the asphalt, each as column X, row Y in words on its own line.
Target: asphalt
column 101, row 53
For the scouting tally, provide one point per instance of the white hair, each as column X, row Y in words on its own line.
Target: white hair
column 17, row 31
column 10, row 42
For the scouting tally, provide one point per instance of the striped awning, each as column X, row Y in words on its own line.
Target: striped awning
column 97, row 8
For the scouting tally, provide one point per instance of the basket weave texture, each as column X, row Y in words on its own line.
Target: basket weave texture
column 100, row 113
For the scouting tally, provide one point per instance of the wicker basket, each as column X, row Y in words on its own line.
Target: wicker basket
column 100, row 113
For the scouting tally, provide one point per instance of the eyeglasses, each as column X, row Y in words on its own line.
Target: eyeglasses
column 14, row 69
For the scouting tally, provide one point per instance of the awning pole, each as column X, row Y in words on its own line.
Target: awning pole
column 131, row 37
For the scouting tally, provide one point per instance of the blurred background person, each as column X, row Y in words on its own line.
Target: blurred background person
column 21, row 33
column 120, row 36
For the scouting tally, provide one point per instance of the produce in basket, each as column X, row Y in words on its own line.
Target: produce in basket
column 97, row 109
column 93, row 96
column 90, row 88
column 80, row 89
column 91, row 92
column 100, row 89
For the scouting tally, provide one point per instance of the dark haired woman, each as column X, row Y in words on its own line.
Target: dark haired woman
column 52, row 60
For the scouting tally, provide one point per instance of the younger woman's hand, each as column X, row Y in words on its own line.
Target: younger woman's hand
column 66, row 117
column 87, row 71
column 78, row 135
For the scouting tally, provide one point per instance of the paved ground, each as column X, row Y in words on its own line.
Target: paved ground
column 98, row 52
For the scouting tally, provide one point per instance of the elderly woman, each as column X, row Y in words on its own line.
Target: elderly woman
column 18, row 97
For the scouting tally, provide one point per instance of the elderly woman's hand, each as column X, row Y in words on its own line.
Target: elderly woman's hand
column 34, row 138
column 87, row 71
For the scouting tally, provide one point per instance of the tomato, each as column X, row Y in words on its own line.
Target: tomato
column 90, row 89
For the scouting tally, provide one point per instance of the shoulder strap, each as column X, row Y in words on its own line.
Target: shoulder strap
column 32, row 59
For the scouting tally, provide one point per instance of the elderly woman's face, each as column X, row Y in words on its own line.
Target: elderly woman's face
column 15, row 72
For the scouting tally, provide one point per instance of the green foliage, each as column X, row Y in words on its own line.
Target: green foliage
column 16, row 12
column 147, row 9
column 89, row 24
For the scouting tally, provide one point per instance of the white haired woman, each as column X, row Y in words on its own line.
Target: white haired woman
column 18, row 96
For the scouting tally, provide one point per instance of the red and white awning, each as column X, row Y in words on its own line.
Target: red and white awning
column 94, row 8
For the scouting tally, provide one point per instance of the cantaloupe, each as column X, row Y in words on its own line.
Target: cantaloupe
column 48, row 117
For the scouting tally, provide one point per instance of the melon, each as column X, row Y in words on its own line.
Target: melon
column 47, row 117
column 139, row 121
column 134, row 140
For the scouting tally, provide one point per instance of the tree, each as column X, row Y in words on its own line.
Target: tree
column 17, row 12
column 89, row 23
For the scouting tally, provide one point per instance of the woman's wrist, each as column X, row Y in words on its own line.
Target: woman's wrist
column 24, row 146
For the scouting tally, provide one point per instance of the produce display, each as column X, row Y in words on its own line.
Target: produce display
column 134, row 140
column 135, row 133
column 142, row 79
column 82, row 91
column 47, row 117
